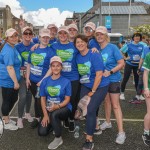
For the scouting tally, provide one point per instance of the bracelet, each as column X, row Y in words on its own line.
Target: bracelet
column 146, row 89
column 93, row 91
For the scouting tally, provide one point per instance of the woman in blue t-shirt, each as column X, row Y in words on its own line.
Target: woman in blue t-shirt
column 90, row 67
column 134, row 51
column 10, row 63
column 25, row 96
column 55, row 92
column 38, row 65
column 67, row 52
column 113, row 62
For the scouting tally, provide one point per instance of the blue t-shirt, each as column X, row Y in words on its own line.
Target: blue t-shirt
column 88, row 65
column 111, row 54
column 52, row 41
column 9, row 56
column 40, row 61
column 67, row 53
column 56, row 90
column 24, row 52
column 93, row 44
column 35, row 40
column 134, row 52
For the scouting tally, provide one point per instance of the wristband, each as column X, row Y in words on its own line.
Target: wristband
column 93, row 91
column 146, row 89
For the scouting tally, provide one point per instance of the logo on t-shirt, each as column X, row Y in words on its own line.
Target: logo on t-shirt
column 84, row 68
column 54, row 90
column 105, row 57
column 25, row 55
column 37, row 59
column 65, row 55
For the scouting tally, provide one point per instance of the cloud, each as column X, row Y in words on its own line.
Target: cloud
column 40, row 17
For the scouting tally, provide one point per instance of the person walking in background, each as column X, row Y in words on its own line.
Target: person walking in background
column 91, row 68
column 25, row 95
column 134, row 51
column 10, row 63
column 38, row 65
column 146, row 81
column 55, row 92
column 113, row 62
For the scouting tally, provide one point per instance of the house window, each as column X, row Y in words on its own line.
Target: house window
column 1, row 14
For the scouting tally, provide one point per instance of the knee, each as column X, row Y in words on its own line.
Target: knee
column 42, row 131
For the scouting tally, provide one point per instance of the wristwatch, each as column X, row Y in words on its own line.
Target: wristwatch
column 111, row 72
column 93, row 91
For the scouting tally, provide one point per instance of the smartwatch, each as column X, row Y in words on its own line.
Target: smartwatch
column 111, row 72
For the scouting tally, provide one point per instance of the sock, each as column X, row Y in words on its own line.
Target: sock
column 146, row 132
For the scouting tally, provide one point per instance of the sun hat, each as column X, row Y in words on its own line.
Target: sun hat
column 55, row 58
column 44, row 32
column 101, row 29
column 10, row 32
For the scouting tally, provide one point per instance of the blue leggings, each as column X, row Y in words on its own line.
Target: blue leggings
column 94, row 104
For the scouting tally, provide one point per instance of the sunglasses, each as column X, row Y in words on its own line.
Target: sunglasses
column 28, row 33
column 88, row 30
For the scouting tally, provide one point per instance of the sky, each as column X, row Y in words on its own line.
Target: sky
column 44, row 12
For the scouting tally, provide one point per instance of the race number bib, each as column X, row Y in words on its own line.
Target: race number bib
column 36, row 70
column 85, row 79
column 66, row 67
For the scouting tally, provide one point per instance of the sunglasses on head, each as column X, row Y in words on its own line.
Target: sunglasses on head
column 28, row 33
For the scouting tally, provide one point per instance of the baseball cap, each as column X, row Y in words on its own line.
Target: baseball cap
column 63, row 28
column 10, row 32
column 26, row 28
column 91, row 25
column 74, row 26
column 101, row 29
column 51, row 26
column 55, row 58
column 44, row 32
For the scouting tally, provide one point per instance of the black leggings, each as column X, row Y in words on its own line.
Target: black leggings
column 55, row 122
column 127, row 72
column 37, row 102
column 9, row 96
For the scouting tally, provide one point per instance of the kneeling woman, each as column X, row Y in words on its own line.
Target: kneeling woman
column 54, row 90
column 90, row 67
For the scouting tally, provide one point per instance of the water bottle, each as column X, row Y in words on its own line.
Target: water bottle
column 76, row 134
column 37, row 92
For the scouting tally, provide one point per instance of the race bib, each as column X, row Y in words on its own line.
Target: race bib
column 85, row 79
column 136, row 57
column 54, row 100
column 66, row 67
column 36, row 70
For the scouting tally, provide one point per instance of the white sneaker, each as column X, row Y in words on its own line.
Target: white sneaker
column 138, row 97
column 10, row 126
column 105, row 125
column 28, row 117
column 98, row 121
column 55, row 143
column 12, row 121
column 122, row 97
column 142, row 98
column 20, row 123
column 121, row 138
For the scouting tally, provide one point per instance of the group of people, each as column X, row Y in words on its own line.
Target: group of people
column 60, row 67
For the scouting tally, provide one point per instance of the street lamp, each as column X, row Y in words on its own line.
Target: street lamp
column 100, row 12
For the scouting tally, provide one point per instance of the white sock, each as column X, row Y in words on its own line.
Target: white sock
column 146, row 132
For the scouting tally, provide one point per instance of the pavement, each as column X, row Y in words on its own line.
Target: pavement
column 28, row 139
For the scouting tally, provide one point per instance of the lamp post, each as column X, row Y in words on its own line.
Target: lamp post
column 129, row 20
column 100, row 12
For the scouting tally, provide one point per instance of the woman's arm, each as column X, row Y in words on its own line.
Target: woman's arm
column 45, row 120
column 12, row 74
column 97, row 81
column 119, row 66
column 145, row 81
column 28, row 75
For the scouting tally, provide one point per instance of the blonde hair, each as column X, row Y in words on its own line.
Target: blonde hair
column 107, row 37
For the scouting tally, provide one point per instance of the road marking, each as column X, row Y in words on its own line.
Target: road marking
column 102, row 119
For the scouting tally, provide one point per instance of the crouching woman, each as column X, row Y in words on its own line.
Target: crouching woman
column 55, row 92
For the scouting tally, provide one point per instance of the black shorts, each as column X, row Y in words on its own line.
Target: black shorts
column 114, row 87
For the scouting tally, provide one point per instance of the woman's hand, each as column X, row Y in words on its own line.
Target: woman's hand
column 45, row 121
column 28, row 83
column 16, row 86
column 106, row 73
column 95, row 50
column 147, row 93
column 90, row 94
column 39, row 83
column 34, row 47
column 53, row 107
